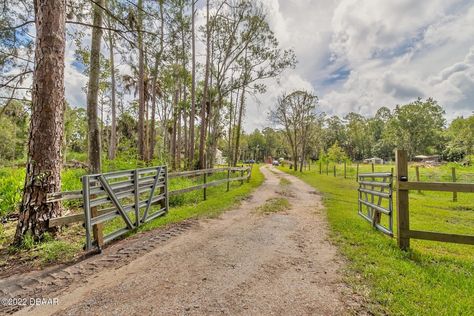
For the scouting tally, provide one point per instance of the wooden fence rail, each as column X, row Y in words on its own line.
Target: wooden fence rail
column 123, row 185
column 403, row 206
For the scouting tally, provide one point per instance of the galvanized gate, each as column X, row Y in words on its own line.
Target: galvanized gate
column 126, row 198
column 376, row 186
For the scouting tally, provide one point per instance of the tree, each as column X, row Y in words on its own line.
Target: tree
column 295, row 112
column 192, row 115
column 205, row 102
column 93, row 90
column 336, row 153
column 155, row 85
column 461, row 139
column 43, row 171
column 113, row 128
column 416, row 127
column 142, row 150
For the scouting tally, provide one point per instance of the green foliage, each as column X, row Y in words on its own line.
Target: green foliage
column 11, row 181
column 13, row 132
column 336, row 153
column 461, row 139
column 28, row 242
column 75, row 129
column 416, row 127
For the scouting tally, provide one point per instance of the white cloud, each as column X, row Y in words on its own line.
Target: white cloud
column 358, row 55
column 401, row 50
column 74, row 80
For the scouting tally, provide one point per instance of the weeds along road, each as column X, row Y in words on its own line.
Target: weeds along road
column 244, row 262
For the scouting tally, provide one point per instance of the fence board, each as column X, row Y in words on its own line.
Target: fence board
column 437, row 186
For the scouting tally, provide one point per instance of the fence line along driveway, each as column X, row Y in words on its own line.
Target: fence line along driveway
column 130, row 195
column 244, row 262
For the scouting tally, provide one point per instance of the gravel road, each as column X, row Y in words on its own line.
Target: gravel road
column 242, row 263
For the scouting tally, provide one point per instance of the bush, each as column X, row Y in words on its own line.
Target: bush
column 11, row 183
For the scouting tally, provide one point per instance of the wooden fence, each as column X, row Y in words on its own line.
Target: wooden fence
column 129, row 195
column 403, row 207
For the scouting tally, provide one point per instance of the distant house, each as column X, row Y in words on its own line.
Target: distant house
column 374, row 160
column 220, row 159
column 427, row 159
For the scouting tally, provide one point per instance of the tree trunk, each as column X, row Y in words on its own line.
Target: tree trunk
column 155, row 81
column 141, row 86
column 153, row 119
column 239, row 125
column 230, row 146
column 205, row 101
column 93, row 91
column 178, row 141
column 173, row 139
column 193, row 90
column 113, row 128
column 43, row 170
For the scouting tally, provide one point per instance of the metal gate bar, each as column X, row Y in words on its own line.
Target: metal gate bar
column 373, row 185
column 109, row 193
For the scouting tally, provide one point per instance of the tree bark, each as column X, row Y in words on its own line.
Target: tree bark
column 239, row 125
column 113, row 128
column 205, row 101
column 193, row 90
column 43, row 170
column 93, row 91
column 141, row 86
column 155, row 82
column 173, row 139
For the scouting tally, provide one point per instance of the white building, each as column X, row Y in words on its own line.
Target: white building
column 220, row 159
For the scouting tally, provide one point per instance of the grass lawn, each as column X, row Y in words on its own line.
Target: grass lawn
column 433, row 278
column 69, row 242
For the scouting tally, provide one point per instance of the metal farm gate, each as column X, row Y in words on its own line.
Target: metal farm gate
column 127, row 198
column 375, row 199
column 115, row 203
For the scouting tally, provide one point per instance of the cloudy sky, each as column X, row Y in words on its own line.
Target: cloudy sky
column 358, row 55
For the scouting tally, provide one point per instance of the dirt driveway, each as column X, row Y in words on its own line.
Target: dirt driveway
column 242, row 263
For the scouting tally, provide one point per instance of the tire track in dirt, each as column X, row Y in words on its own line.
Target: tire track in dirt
column 241, row 263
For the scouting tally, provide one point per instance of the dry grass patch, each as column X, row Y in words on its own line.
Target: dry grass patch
column 274, row 205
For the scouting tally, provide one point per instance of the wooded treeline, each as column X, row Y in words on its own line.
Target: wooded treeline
column 162, row 88
column 302, row 132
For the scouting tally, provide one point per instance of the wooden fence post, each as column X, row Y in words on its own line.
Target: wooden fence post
column 417, row 170
column 241, row 176
column 455, row 194
column 345, row 176
column 97, row 229
column 357, row 172
column 334, row 170
column 204, row 190
column 403, row 222
column 373, row 168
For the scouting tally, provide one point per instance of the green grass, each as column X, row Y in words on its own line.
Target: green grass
column 274, row 205
column 433, row 278
column 284, row 182
column 58, row 251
